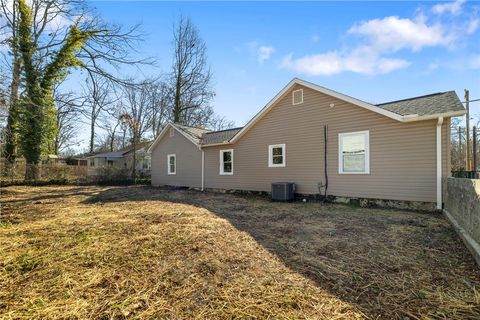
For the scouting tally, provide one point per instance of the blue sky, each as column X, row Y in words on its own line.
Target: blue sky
column 374, row 51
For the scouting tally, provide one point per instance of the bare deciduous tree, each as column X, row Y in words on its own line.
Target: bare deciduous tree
column 99, row 99
column 69, row 107
column 160, row 106
column 191, row 78
column 108, row 48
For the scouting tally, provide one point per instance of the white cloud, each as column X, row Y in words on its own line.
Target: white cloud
column 394, row 33
column 261, row 52
column 264, row 53
column 361, row 61
column 475, row 62
column 453, row 8
column 433, row 66
column 472, row 25
column 383, row 37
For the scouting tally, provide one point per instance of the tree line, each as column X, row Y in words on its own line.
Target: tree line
column 44, row 44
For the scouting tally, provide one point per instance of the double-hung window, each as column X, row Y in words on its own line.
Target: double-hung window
column 354, row 153
column 226, row 162
column 276, row 155
column 172, row 164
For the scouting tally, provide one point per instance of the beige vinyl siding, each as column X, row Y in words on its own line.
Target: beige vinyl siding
column 402, row 155
column 188, row 162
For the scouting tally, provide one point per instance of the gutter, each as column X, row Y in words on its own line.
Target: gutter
column 416, row 117
column 439, row 162
column 216, row 144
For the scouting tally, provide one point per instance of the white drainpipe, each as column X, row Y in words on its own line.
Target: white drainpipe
column 203, row 169
column 439, row 163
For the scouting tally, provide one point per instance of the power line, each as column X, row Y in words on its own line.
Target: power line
column 476, row 100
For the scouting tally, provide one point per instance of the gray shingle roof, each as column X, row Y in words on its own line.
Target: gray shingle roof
column 425, row 105
column 219, row 136
column 194, row 132
column 435, row 103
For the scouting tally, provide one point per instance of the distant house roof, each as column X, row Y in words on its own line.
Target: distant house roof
column 139, row 146
column 119, row 153
column 221, row 136
column 436, row 103
column 109, row 155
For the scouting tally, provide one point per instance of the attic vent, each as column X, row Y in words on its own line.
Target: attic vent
column 172, row 132
column 297, row 96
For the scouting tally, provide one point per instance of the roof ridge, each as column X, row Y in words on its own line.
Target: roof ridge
column 183, row 125
column 223, row 130
column 412, row 98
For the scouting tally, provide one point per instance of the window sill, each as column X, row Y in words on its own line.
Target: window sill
column 354, row 173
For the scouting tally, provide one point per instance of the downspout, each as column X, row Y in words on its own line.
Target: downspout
column 325, row 134
column 439, row 163
column 203, row 169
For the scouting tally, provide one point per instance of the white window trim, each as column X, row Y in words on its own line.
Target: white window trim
column 168, row 163
column 367, row 151
column 172, row 132
column 221, row 172
column 270, row 156
column 293, row 95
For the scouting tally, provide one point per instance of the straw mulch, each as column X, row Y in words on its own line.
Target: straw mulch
column 144, row 253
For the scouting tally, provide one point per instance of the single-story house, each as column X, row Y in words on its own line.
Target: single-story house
column 319, row 139
column 52, row 159
column 121, row 159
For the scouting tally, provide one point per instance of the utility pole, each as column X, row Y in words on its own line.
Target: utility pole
column 467, row 127
column 460, row 144
column 474, row 143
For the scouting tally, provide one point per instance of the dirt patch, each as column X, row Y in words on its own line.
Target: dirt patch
column 142, row 252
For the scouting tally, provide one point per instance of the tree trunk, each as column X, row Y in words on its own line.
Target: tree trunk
column 32, row 171
column 92, row 131
column 177, row 111
column 134, row 169
column 111, row 142
column 11, row 141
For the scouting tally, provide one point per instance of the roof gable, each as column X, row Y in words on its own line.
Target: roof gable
column 389, row 110
column 318, row 88
column 190, row 135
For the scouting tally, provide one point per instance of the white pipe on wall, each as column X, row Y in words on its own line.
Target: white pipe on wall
column 439, row 163
column 203, row 169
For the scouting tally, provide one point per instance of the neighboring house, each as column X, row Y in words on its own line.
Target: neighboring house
column 142, row 159
column 121, row 159
column 52, row 159
column 392, row 151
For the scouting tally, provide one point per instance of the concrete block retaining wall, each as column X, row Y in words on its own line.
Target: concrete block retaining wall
column 462, row 208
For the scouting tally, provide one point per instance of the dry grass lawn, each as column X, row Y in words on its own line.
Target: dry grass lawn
column 147, row 253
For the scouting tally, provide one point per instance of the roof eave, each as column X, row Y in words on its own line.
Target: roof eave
column 412, row 118
column 215, row 144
